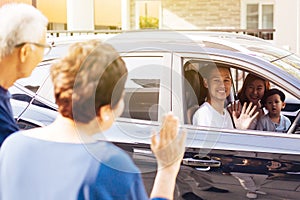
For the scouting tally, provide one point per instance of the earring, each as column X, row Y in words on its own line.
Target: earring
column 106, row 118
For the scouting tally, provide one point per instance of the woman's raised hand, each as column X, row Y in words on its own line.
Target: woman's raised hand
column 246, row 116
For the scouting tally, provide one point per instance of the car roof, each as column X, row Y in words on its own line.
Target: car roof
column 244, row 47
column 157, row 38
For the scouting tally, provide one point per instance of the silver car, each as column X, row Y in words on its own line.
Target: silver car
column 218, row 163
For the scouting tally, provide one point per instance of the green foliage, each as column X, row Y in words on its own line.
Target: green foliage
column 148, row 22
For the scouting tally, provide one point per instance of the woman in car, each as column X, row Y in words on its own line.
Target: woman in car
column 252, row 91
column 64, row 160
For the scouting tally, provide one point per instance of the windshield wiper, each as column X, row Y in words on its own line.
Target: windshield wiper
column 281, row 57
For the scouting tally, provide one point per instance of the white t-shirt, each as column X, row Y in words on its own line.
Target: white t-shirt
column 206, row 115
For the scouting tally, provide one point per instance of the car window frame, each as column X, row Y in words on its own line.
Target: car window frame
column 238, row 64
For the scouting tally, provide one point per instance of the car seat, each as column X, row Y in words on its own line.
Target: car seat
column 195, row 92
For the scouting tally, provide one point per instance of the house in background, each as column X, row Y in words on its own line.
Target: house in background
column 273, row 19
column 78, row 14
column 228, row 15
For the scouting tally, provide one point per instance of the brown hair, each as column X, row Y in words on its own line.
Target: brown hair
column 90, row 76
column 249, row 79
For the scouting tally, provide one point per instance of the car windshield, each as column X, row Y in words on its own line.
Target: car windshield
column 280, row 57
column 283, row 59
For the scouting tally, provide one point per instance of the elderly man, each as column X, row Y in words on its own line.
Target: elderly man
column 22, row 46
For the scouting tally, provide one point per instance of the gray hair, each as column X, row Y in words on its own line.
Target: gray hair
column 19, row 23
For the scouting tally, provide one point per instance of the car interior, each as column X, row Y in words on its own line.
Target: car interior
column 195, row 92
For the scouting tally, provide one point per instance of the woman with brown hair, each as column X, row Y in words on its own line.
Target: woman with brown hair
column 253, row 90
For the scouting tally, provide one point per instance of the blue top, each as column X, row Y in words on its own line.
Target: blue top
column 266, row 124
column 32, row 168
column 7, row 122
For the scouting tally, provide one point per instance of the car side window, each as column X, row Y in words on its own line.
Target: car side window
column 32, row 85
column 37, row 77
column 142, row 87
column 32, row 98
column 195, row 92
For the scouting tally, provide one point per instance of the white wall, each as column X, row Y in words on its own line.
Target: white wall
column 125, row 14
column 286, row 24
column 80, row 14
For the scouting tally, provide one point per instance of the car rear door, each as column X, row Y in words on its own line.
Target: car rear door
column 147, row 98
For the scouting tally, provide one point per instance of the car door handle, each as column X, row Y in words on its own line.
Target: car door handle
column 192, row 162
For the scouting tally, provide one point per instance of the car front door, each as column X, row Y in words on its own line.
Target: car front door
column 231, row 163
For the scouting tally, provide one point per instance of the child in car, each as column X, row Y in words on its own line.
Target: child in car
column 274, row 120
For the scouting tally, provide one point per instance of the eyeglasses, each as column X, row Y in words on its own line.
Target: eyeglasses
column 47, row 47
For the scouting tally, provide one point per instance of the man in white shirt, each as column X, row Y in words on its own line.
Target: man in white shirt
column 217, row 80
